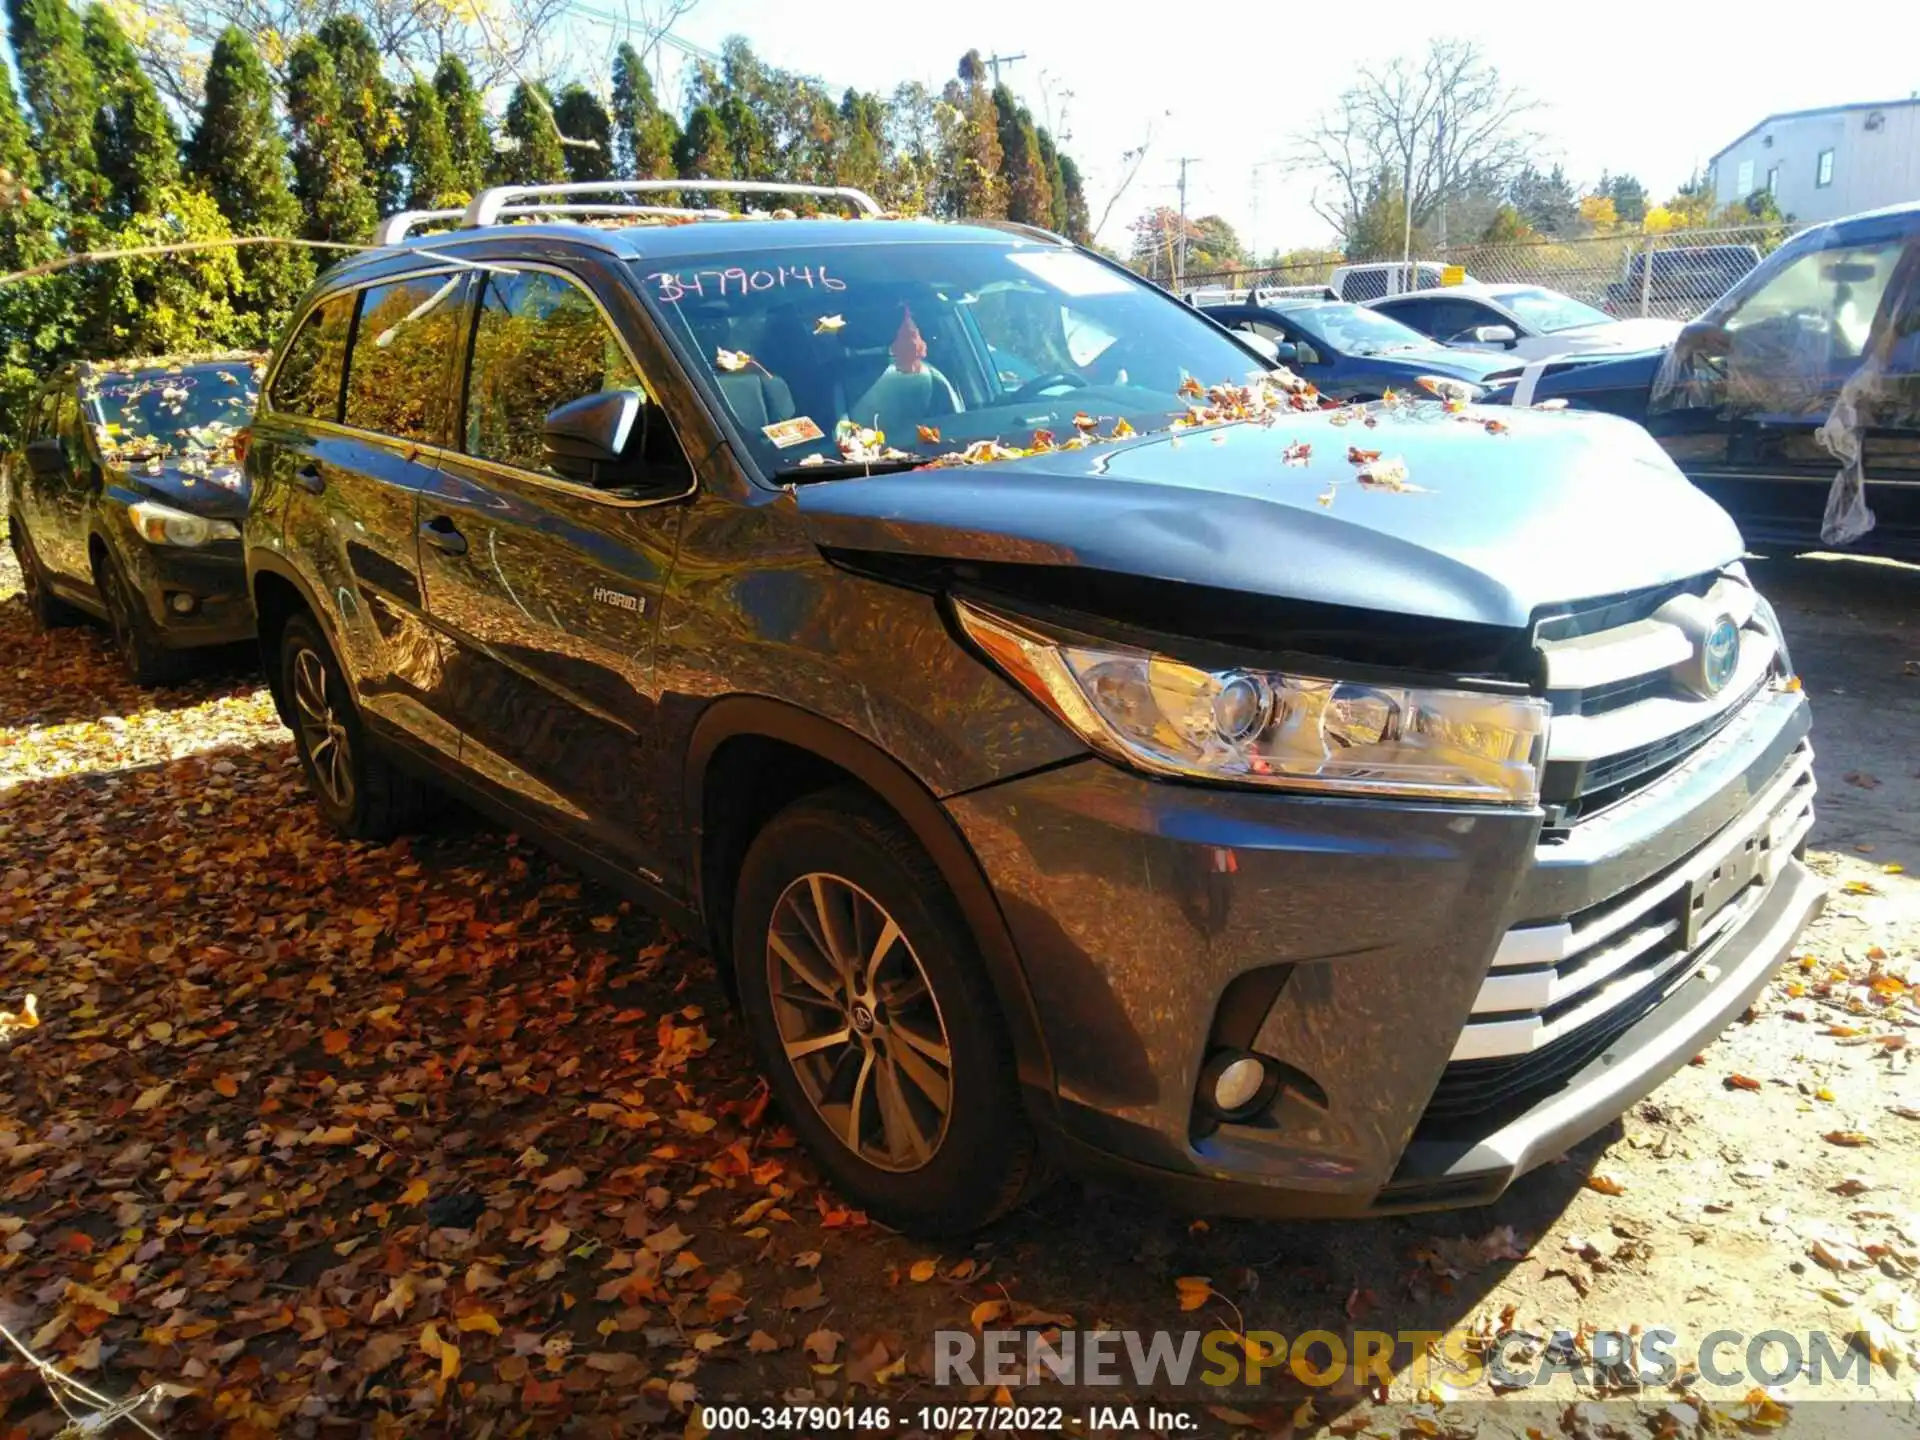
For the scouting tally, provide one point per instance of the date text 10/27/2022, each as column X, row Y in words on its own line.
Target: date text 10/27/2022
column 943, row 1419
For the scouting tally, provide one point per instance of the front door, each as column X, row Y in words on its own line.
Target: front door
column 1741, row 401
column 545, row 588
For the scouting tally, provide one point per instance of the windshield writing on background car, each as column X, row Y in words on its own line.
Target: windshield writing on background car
column 1354, row 330
column 937, row 345
column 1549, row 313
column 190, row 412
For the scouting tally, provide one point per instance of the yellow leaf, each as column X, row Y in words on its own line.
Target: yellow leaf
column 1847, row 1137
column 1193, row 1291
column 414, row 1193
column 479, row 1320
column 923, row 1271
column 152, row 1098
column 986, row 1312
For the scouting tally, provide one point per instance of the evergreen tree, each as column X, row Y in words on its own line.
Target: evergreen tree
column 644, row 135
column 1073, row 187
column 469, row 142
column 580, row 116
column 35, row 315
column 705, row 154
column 329, row 168
column 1629, row 196
column 61, row 89
column 1056, row 182
column 367, row 103
column 1545, row 202
column 747, row 140
column 238, row 156
column 978, row 190
column 134, row 140
column 432, row 183
column 860, row 137
column 537, row 157
column 1029, row 197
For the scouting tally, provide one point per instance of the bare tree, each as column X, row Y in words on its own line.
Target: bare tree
column 1437, row 126
column 175, row 36
column 1130, row 163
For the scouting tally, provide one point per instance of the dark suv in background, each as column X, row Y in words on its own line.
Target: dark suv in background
column 125, row 502
column 1298, row 810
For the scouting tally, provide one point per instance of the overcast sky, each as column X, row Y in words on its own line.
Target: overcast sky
column 1651, row 90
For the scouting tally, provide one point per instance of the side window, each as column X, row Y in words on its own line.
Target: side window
column 1788, row 346
column 407, row 333
column 67, row 427
column 1415, row 314
column 539, row 341
column 1368, row 284
column 308, row 381
column 1450, row 319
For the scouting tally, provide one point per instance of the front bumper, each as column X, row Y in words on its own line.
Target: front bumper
column 213, row 576
column 1353, row 942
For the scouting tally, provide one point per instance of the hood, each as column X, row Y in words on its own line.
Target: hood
column 1574, row 375
column 1457, row 364
column 1622, row 335
column 1565, row 506
column 218, row 491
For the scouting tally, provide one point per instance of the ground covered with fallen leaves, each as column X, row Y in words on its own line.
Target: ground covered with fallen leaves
column 436, row 1137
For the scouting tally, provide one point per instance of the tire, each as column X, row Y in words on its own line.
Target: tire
column 48, row 612
column 358, row 790
column 142, row 655
column 910, row 1166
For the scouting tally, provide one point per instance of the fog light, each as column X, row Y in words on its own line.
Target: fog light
column 182, row 603
column 1234, row 1082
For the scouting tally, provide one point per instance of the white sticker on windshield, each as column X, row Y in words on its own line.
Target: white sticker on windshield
column 1070, row 272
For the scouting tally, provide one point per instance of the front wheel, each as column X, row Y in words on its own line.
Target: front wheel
column 146, row 660
column 864, row 995
column 359, row 791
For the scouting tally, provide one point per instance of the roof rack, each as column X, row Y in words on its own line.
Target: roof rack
column 491, row 203
column 397, row 227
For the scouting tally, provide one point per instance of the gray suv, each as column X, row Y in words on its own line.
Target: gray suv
column 1076, row 742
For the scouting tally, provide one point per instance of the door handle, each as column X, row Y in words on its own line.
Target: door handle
column 309, row 479
column 439, row 533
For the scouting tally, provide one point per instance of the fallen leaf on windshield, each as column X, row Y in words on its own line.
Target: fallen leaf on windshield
column 1357, row 456
column 1298, row 453
column 929, row 435
column 1193, row 1291
column 1192, row 388
column 1083, row 422
column 1386, row 475
column 732, row 359
column 1043, row 439
column 827, row 324
column 1121, row 429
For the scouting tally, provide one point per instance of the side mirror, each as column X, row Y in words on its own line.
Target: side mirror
column 1253, row 340
column 46, row 456
column 1495, row 335
column 614, row 440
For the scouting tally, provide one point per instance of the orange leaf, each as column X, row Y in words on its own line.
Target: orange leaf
column 336, row 1041
column 226, row 1085
column 1742, row 1082
column 1193, row 1291
column 1606, row 1184
column 929, row 434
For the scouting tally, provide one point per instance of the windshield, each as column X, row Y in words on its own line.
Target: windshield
column 188, row 412
column 1355, row 330
column 1549, row 311
column 939, row 346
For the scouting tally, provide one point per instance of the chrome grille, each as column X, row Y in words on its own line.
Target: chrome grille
column 1552, row 988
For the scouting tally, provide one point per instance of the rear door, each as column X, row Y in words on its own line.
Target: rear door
column 544, row 589
column 349, row 483
column 60, row 535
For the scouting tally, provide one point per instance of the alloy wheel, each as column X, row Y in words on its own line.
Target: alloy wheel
column 859, row 1022
column 325, row 739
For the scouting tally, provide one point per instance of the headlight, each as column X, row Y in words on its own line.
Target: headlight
column 159, row 524
column 1260, row 727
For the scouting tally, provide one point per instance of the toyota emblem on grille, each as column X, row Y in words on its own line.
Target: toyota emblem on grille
column 1719, row 655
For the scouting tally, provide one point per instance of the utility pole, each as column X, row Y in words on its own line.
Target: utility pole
column 1180, row 253
column 994, row 62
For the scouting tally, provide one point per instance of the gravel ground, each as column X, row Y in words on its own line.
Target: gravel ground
column 439, row 1138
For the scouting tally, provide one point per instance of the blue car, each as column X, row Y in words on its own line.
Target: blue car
column 1353, row 353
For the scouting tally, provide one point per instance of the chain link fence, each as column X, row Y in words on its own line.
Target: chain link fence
column 1674, row 275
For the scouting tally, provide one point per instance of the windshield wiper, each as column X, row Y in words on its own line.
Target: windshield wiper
column 843, row 469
